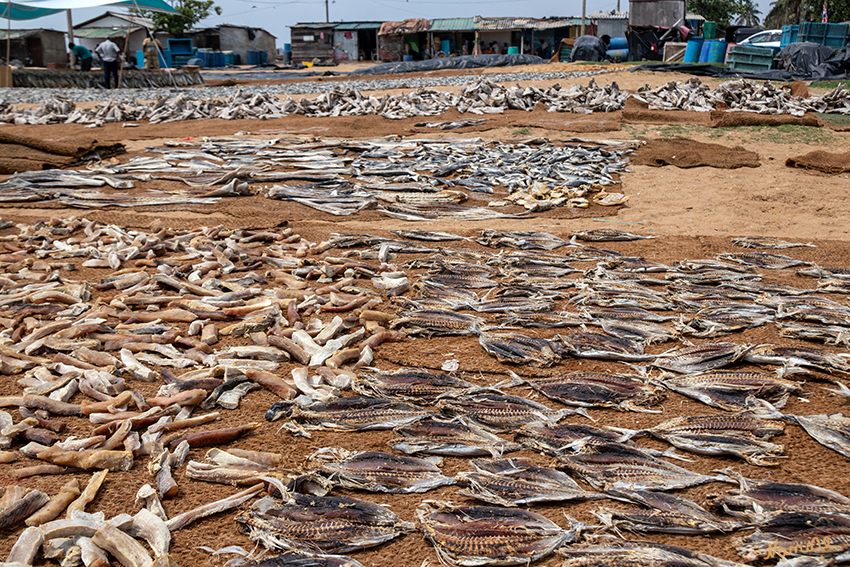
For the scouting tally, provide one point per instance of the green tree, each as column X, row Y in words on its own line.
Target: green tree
column 720, row 11
column 748, row 13
column 190, row 13
column 785, row 12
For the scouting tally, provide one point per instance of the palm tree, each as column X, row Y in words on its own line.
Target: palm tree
column 783, row 12
column 749, row 13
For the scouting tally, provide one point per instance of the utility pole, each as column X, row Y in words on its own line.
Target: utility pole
column 327, row 16
column 583, row 10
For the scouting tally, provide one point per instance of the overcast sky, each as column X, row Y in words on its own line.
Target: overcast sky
column 275, row 15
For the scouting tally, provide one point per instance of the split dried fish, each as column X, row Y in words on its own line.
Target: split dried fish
column 765, row 242
column 410, row 385
column 665, row 513
column 481, row 535
column 637, row 554
column 327, row 524
column 514, row 482
column 734, row 391
column 518, row 349
column 606, row 235
column 358, row 413
column 832, row 431
column 694, row 359
column 454, row 438
column 594, row 389
column 376, row 471
column 501, row 412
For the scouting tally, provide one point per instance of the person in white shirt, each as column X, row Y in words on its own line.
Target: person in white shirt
column 109, row 55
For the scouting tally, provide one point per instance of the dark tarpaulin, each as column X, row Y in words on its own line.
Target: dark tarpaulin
column 836, row 68
column 588, row 48
column 803, row 57
column 463, row 62
column 644, row 45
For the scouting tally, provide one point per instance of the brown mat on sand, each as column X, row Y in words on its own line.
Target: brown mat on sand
column 720, row 119
column 592, row 123
column 22, row 153
column 637, row 112
column 682, row 152
column 820, row 160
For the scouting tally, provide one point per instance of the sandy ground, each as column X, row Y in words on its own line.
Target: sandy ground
column 693, row 212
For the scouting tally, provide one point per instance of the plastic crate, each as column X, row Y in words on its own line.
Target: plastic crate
column 789, row 35
column 745, row 58
column 179, row 46
column 831, row 35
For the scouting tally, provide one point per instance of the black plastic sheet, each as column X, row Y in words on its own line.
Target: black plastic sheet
column 588, row 48
column 463, row 62
column 644, row 45
column 803, row 57
column 837, row 68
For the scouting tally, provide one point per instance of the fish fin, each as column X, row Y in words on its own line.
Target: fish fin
column 627, row 433
column 842, row 390
column 672, row 454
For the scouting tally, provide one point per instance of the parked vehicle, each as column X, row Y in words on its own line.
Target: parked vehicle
column 766, row 38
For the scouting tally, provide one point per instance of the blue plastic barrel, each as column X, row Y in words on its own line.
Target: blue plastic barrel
column 407, row 57
column 717, row 52
column 287, row 47
column 618, row 54
column 693, row 50
column 618, row 43
column 446, row 46
column 253, row 57
column 703, row 52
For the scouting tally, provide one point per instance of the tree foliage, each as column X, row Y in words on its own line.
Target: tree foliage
column 725, row 11
column 191, row 12
column 784, row 12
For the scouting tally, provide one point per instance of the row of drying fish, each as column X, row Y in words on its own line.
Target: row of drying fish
column 483, row 97
column 407, row 179
column 205, row 285
column 742, row 95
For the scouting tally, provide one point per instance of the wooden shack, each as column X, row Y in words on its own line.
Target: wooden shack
column 312, row 41
column 36, row 48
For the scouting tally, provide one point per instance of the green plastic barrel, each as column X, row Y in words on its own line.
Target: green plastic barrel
column 512, row 50
column 709, row 29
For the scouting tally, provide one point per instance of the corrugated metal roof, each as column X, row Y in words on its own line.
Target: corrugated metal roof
column 101, row 33
column 505, row 24
column 608, row 15
column 453, row 24
column 314, row 25
column 358, row 26
column 19, row 34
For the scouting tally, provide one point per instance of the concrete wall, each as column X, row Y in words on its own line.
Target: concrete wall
column 488, row 37
column 236, row 39
column 664, row 13
column 53, row 48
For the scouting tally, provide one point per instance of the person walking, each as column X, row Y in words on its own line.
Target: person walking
column 109, row 54
column 82, row 55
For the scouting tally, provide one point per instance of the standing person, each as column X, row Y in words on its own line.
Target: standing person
column 109, row 53
column 151, row 48
column 544, row 49
column 496, row 47
column 505, row 47
column 82, row 55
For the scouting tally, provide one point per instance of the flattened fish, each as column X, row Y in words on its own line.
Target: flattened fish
column 410, row 385
column 502, row 412
column 514, row 482
column 518, row 349
column 594, row 389
column 330, row 524
column 767, row 243
column 454, row 438
column 734, row 391
column 435, row 322
column 376, row 471
column 470, row 536
column 832, row 431
column 699, row 358
column 620, row 553
column 763, row 260
column 359, row 413
column 606, row 235
column 665, row 513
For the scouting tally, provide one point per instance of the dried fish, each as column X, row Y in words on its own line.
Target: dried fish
column 593, row 389
column 500, row 412
column 734, row 391
column 765, row 242
column 666, row 513
column 637, row 554
column 410, row 385
column 832, row 431
column 606, row 235
column 454, row 438
column 690, row 360
column 376, row 471
column 329, row 524
column 439, row 322
column 482, row 535
column 518, row 349
column 359, row 413
column 513, row 482
column 763, row 260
